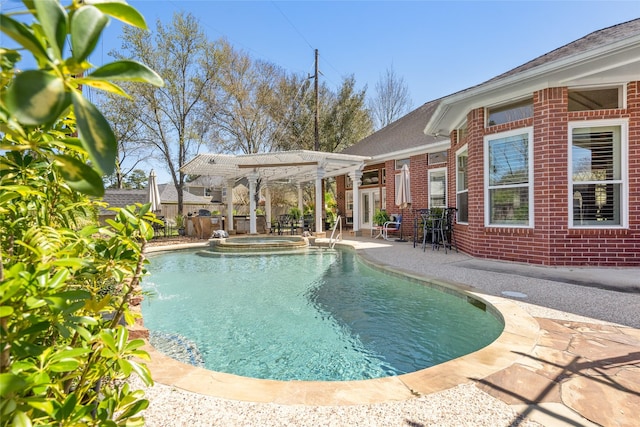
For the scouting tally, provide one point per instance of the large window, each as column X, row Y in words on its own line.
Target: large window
column 402, row 162
column 595, row 99
column 508, row 172
column 462, row 185
column 597, row 172
column 438, row 188
column 510, row 112
column 348, row 206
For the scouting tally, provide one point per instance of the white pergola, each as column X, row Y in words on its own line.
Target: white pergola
column 295, row 166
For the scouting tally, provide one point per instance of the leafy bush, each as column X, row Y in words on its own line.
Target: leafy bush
column 65, row 282
column 381, row 216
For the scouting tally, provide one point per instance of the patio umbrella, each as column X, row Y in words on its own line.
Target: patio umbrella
column 154, row 193
column 403, row 194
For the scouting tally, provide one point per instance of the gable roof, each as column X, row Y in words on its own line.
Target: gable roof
column 611, row 53
column 403, row 135
column 607, row 56
column 169, row 194
column 594, row 40
column 121, row 198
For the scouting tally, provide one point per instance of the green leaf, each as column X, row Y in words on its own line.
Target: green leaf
column 103, row 85
column 53, row 19
column 79, row 176
column 121, row 11
column 23, row 35
column 20, row 419
column 96, row 134
column 6, row 310
column 128, row 71
column 74, row 263
column 73, row 352
column 9, row 58
column 67, row 408
column 125, row 367
column 58, row 280
column 36, row 97
column 10, row 382
column 133, row 409
column 87, row 24
column 67, row 365
column 122, row 336
column 142, row 371
column 42, row 405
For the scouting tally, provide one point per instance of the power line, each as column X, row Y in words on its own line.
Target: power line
column 292, row 25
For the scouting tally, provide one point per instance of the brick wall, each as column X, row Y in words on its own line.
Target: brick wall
column 551, row 241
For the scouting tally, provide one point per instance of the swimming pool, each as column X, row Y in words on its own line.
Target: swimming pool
column 322, row 315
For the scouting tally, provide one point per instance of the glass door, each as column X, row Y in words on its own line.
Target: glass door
column 370, row 201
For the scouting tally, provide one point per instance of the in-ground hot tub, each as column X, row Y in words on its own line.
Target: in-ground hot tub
column 259, row 244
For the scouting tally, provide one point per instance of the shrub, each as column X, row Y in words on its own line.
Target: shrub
column 65, row 282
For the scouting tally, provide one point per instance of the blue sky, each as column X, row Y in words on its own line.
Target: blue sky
column 437, row 47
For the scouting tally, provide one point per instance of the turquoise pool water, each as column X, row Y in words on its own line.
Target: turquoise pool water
column 322, row 315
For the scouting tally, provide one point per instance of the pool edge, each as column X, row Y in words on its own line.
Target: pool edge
column 520, row 335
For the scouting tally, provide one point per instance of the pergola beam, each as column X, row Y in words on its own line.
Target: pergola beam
column 276, row 165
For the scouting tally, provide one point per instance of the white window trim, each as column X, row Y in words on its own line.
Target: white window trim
column 624, row 171
column 460, row 151
column 622, row 92
column 487, row 207
column 429, row 172
column 402, row 161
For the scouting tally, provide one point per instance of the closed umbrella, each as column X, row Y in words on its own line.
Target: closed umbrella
column 403, row 194
column 154, row 193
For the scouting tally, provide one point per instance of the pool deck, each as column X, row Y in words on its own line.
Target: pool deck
column 569, row 355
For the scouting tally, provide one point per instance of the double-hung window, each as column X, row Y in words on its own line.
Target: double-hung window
column 597, row 170
column 509, row 175
column 462, row 185
column 438, row 188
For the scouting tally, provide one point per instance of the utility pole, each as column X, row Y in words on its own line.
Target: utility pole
column 316, row 132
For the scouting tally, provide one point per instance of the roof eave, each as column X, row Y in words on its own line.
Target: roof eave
column 409, row 152
column 453, row 109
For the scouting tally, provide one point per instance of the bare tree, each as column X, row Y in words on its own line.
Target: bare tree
column 392, row 99
column 127, row 129
column 243, row 101
column 174, row 120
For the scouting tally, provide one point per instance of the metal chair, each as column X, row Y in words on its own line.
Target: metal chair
column 450, row 218
column 285, row 221
column 433, row 221
column 391, row 227
column 308, row 223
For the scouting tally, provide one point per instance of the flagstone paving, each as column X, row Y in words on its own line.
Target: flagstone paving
column 592, row 369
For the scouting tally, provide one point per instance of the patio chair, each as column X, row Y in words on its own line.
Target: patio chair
column 434, row 223
column 391, row 227
column 308, row 223
column 285, row 221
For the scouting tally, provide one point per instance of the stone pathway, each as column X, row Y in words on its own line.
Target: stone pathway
column 591, row 369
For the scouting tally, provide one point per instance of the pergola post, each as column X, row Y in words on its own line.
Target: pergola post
column 253, row 180
column 267, row 203
column 319, row 199
column 229, row 223
column 300, row 198
column 355, row 178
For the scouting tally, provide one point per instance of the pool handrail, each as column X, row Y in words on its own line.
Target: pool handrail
column 332, row 242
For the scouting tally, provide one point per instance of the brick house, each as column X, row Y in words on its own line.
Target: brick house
column 542, row 162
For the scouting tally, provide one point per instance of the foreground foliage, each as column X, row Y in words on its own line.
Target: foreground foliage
column 65, row 282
